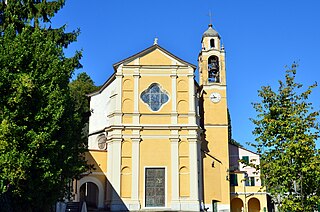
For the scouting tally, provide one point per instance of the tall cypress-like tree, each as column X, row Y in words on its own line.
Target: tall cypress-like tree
column 40, row 130
column 286, row 130
column 80, row 87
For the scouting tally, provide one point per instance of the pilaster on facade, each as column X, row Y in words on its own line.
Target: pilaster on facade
column 193, row 154
column 136, row 115
column 109, row 194
column 116, row 166
column 192, row 111
column 118, row 110
column 174, row 114
column 135, row 203
column 175, row 203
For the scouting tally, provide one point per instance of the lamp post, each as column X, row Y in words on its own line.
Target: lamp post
column 245, row 192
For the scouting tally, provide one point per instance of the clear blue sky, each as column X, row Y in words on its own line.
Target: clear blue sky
column 260, row 37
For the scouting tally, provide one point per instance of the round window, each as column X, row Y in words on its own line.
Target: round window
column 102, row 141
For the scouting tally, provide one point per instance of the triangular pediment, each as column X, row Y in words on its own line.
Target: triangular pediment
column 154, row 55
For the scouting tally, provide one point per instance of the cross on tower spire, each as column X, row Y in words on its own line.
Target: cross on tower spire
column 210, row 18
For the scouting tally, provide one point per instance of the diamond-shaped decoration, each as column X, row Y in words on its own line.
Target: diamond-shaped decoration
column 154, row 96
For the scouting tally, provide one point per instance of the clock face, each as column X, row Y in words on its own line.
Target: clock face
column 215, row 97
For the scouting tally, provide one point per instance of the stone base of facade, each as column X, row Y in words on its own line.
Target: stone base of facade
column 179, row 205
column 221, row 207
column 133, row 205
column 185, row 205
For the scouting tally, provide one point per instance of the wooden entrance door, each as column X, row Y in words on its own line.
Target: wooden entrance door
column 89, row 192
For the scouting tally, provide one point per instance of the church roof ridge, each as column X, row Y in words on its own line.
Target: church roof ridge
column 150, row 49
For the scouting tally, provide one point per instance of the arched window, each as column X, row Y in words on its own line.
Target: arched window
column 213, row 69
column 212, row 45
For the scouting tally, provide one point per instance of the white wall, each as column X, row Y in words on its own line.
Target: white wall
column 236, row 153
column 101, row 106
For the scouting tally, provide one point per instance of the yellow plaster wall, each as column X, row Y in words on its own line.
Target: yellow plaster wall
column 184, row 173
column 184, row 180
column 127, row 99
column 127, row 103
column 182, row 95
column 126, row 179
column 182, row 84
column 183, row 132
column 182, row 106
column 155, row 119
column 127, row 83
column 215, row 113
column 155, row 153
column 98, row 159
column 126, row 173
column 183, row 148
column 183, row 119
column 126, row 132
column 152, row 132
column 212, row 181
column 216, row 184
column 126, row 148
column 127, row 119
column 155, row 58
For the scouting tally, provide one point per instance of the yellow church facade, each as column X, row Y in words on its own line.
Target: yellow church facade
column 157, row 138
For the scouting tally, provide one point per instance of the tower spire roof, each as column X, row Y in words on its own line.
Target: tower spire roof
column 210, row 32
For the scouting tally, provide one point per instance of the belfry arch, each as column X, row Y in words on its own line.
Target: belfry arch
column 213, row 69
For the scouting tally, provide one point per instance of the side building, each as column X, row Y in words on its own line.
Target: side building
column 247, row 190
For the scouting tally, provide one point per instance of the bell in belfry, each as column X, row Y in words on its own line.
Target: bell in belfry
column 213, row 69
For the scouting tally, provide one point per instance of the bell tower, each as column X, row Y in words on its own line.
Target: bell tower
column 212, row 59
column 214, row 148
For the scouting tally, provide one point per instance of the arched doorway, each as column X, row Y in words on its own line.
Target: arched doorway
column 236, row 205
column 253, row 205
column 89, row 192
column 98, row 183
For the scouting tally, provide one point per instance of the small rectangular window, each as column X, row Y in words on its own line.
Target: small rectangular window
column 247, row 182
column 212, row 45
column 245, row 158
column 252, row 183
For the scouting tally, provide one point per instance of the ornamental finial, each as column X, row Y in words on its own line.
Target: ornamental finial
column 155, row 42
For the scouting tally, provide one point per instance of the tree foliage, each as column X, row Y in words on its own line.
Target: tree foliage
column 286, row 131
column 80, row 87
column 40, row 145
column 230, row 139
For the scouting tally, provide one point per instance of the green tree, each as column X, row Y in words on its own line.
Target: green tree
column 80, row 87
column 230, row 139
column 40, row 145
column 286, row 129
column 234, row 142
